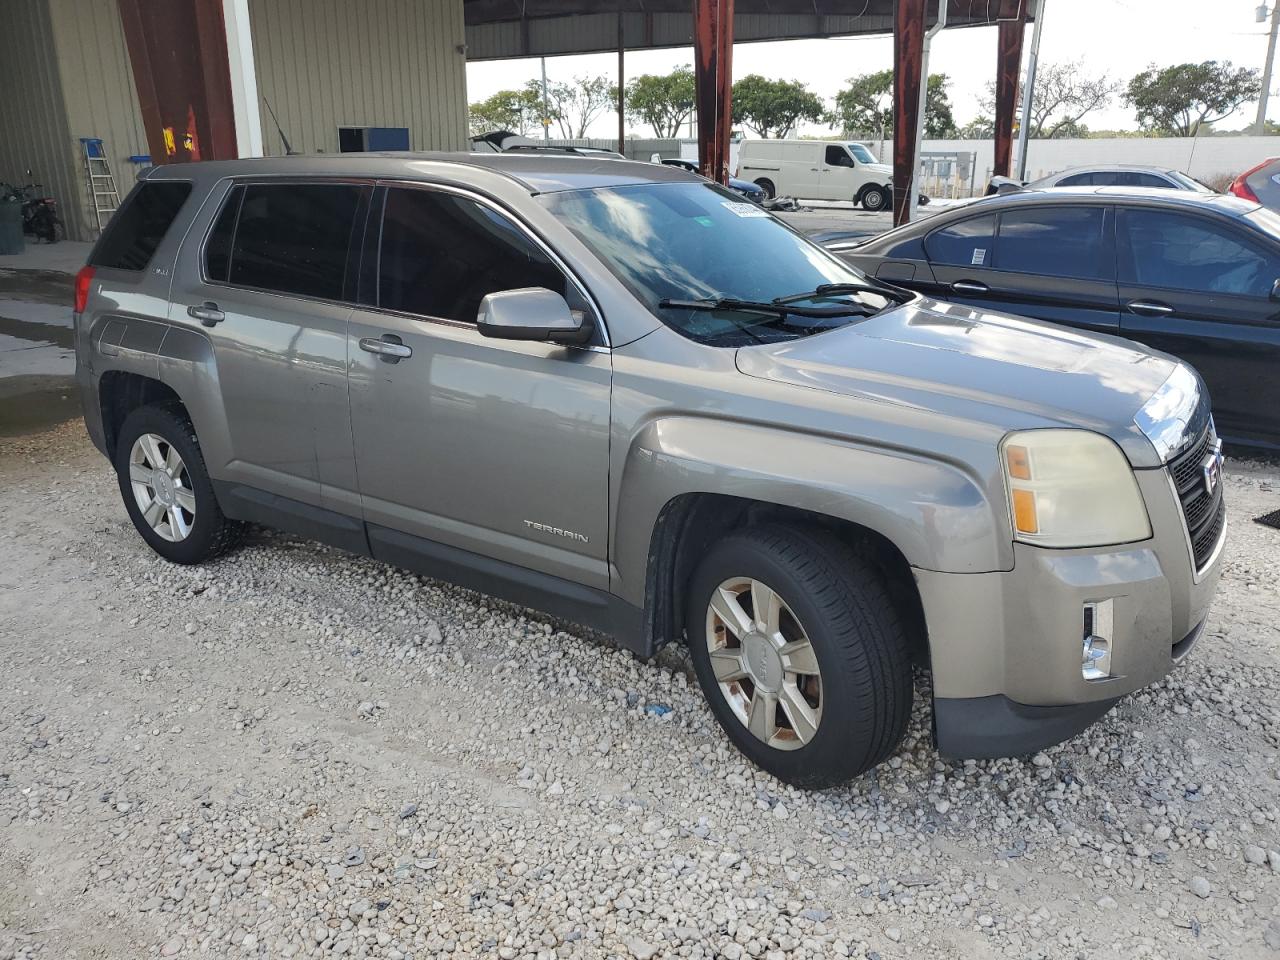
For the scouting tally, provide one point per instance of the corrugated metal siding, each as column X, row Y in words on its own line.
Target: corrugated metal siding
column 100, row 94
column 323, row 64
column 33, row 122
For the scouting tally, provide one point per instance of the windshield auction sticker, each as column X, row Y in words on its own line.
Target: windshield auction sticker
column 744, row 209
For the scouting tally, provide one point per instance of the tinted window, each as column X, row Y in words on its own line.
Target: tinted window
column 968, row 243
column 293, row 238
column 1148, row 180
column 217, row 251
column 1077, row 180
column 838, row 157
column 1129, row 178
column 138, row 227
column 1183, row 252
column 441, row 254
column 1052, row 242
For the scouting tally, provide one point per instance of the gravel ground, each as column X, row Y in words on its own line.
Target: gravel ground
column 297, row 753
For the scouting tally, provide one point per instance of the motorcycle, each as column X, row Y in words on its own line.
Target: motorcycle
column 39, row 212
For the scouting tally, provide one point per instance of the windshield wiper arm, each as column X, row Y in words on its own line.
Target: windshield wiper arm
column 775, row 308
column 831, row 289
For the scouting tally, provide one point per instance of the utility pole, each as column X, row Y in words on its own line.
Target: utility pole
column 1028, row 90
column 1260, row 127
column 546, row 110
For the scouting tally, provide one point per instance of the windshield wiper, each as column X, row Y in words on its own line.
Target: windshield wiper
column 781, row 308
column 834, row 289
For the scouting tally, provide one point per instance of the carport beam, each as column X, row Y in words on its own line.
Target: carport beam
column 244, row 78
column 1008, row 64
column 908, row 56
column 713, row 84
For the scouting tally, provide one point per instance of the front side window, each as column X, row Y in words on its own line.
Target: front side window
column 293, row 238
column 1182, row 252
column 968, row 243
column 136, row 229
column 838, row 157
column 698, row 242
column 441, row 254
column 1053, row 242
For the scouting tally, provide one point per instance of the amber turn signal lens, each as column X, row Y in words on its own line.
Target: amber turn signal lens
column 1024, row 511
column 1019, row 462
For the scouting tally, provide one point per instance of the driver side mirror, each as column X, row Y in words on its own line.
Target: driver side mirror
column 532, row 313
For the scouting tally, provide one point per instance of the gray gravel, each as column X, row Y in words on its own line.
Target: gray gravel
column 297, row 753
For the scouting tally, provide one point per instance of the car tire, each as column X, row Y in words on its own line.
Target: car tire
column 875, row 198
column 176, row 514
column 767, row 186
column 832, row 597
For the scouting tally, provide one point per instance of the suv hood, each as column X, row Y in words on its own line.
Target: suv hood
column 960, row 362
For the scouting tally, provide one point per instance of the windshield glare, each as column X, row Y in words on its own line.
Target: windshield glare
column 697, row 241
column 861, row 153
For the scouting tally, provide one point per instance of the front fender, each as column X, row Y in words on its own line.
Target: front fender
column 934, row 512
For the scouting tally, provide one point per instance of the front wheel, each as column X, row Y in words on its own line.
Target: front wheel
column 800, row 653
column 166, row 488
column 767, row 186
column 875, row 198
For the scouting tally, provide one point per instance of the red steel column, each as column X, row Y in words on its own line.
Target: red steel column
column 1013, row 19
column 908, row 52
column 713, row 83
column 178, row 51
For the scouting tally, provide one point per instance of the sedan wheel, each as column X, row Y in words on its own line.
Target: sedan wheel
column 162, row 487
column 764, row 663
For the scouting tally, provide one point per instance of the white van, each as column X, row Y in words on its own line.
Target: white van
column 817, row 170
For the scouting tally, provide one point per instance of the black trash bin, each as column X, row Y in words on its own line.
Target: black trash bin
column 11, row 239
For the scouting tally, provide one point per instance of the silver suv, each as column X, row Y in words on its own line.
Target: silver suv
column 618, row 393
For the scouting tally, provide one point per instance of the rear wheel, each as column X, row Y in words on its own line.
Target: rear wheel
column 166, row 488
column 875, row 198
column 767, row 186
column 800, row 653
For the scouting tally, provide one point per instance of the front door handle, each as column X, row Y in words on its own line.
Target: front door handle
column 970, row 286
column 207, row 313
column 388, row 347
column 1149, row 308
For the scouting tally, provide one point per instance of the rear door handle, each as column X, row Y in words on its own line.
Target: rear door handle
column 207, row 313
column 388, row 347
column 1149, row 308
column 970, row 286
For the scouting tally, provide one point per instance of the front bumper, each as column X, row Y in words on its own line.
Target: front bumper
column 1006, row 647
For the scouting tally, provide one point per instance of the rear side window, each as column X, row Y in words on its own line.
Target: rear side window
column 1180, row 252
column 1078, row 180
column 290, row 238
column 968, row 243
column 137, row 228
column 441, row 254
column 1053, row 242
column 217, row 251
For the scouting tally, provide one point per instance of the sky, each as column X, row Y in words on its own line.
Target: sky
column 1116, row 37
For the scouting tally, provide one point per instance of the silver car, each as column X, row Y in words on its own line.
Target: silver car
column 621, row 394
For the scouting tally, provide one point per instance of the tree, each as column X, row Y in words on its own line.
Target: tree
column 519, row 111
column 981, row 127
column 575, row 105
column 1178, row 100
column 663, row 102
column 774, row 107
column 1063, row 95
column 866, row 106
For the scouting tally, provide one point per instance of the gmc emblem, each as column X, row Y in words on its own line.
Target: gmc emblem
column 1212, row 468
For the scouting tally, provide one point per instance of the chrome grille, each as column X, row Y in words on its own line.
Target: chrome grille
column 1204, row 512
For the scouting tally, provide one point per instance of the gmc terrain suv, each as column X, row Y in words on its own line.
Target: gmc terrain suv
column 617, row 392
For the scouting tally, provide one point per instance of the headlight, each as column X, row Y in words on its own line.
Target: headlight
column 1071, row 488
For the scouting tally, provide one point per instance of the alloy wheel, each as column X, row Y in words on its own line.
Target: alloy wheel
column 162, row 487
column 764, row 663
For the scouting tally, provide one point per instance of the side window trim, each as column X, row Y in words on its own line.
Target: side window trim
column 371, row 298
column 234, row 194
column 241, row 183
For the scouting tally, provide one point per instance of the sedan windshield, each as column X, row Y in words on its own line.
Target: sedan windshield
column 673, row 244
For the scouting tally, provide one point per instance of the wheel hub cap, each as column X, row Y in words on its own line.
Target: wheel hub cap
column 763, row 661
column 163, row 485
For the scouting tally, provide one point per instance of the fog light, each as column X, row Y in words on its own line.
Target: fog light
column 1095, row 662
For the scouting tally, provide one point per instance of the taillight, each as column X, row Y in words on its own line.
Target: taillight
column 1240, row 185
column 83, row 279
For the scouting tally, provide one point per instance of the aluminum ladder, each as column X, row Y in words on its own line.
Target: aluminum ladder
column 103, row 196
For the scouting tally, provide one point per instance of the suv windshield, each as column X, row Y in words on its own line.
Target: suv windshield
column 861, row 153
column 698, row 242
